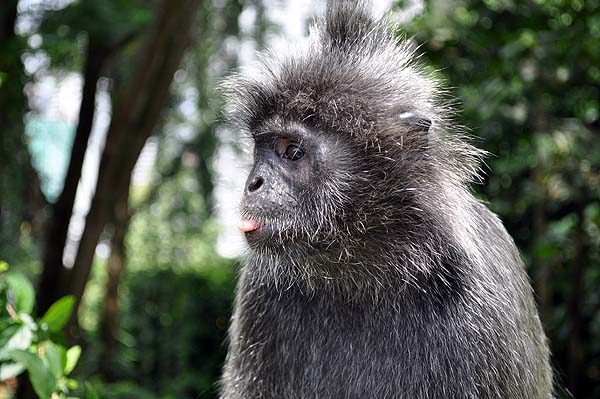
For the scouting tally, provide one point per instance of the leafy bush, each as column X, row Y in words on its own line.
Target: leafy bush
column 174, row 327
column 31, row 345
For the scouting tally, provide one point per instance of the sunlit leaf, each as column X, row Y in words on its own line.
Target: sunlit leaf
column 21, row 339
column 28, row 321
column 40, row 376
column 9, row 370
column 53, row 358
column 6, row 334
column 72, row 358
column 72, row 384
column 23, row 292
column 3, row 265
column 59, row 313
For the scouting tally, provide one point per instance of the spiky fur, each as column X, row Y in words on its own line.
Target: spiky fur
column 388, row 279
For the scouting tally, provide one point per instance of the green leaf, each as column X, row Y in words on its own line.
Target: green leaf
column 9, row 370
column 72, row 358
column 53, row 358
column 72, row 384
column 40, row 376
column 91, row 392
column 59, row 313
column 23, row 292
column 21, row 339
column 6, row 334
column 3, row 264
column 28, row 321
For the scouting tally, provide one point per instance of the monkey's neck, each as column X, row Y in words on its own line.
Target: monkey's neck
column 370, row 274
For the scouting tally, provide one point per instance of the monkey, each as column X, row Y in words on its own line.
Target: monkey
column 372, row 270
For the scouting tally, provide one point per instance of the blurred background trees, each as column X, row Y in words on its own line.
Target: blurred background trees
column 111, row 147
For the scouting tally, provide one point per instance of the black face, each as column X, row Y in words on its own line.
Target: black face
column 287, row 197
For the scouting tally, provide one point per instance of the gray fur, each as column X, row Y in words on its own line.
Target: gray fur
column 384, row 277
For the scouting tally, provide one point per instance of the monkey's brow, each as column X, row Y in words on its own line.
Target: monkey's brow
column 292, row 134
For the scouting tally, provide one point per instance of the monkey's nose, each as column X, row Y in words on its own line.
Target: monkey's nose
column 255, row 184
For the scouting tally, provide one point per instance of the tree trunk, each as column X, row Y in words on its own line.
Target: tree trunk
column 13, row 151
column 63, row 208
column 109, row 322
column 136, row 112
column 8, row 16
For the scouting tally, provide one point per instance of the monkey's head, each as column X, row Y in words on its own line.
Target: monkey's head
column 351, row 144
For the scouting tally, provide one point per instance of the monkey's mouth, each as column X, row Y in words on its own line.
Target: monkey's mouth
column 257, row 232
column 247, row 225
column 264, row 230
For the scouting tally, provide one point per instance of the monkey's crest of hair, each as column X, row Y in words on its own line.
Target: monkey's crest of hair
column 355, row 77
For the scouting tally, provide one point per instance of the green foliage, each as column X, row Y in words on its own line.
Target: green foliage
column 40, row 374
column 66, row 31
column 29, row 345
column 173, row 327
column 58, row 314
column 174, row 232
column 23, row 292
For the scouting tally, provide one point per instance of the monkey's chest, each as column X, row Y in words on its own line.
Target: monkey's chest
column 288, row 346
column 305, row 349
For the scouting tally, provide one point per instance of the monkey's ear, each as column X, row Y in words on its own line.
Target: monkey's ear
column 415, row 122
column 417, row 130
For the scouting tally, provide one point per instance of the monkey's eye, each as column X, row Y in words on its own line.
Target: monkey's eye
column 288, row 150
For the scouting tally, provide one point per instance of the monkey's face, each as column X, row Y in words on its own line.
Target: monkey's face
column 298, row 187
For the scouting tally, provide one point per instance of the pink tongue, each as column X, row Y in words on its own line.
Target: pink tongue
column 248, row 225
